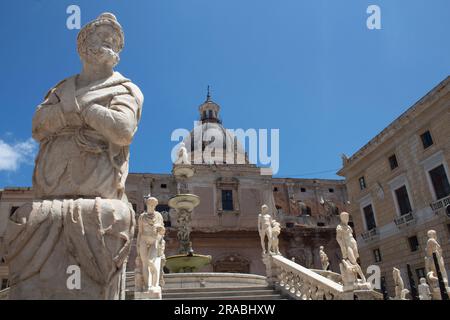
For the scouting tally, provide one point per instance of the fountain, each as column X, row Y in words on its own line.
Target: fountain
column 184, row 203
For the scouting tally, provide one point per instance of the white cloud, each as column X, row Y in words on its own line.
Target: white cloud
column 15, row 154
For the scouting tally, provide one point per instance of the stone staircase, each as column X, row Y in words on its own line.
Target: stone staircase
column 213, row 286
column 223, row 293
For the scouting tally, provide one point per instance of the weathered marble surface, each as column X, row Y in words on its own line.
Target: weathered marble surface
column 150, row 249
column 400, row 290
column 323, row 259
column 81, row 215
column 265, row 229
column 350, row 269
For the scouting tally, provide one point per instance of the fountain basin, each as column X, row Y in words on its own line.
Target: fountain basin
column 185, row 263
column 183, row 171
column 184, row 201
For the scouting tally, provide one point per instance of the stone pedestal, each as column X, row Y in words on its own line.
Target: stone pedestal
column 154, row 293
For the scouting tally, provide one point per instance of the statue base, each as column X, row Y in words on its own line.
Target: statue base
column 154, row 293
column 68, row 249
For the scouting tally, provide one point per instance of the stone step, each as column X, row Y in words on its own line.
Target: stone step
column 223, row 293
column 235, row 297
column 213, row 289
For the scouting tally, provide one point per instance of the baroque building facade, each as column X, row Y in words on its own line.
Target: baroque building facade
column 398, row 185
column 231, row 191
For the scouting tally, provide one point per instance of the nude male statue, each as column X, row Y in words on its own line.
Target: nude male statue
column 348, row 244
column 265, row 228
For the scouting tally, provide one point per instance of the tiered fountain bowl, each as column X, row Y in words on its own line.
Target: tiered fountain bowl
column 185, row 203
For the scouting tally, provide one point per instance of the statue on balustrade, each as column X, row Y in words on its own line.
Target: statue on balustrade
column 400, row 291
column 433, row 246
column 323, row 259
column 350, row 268
column 150, row 250
column 276, row 230
column 424, row 290
column 265, row 228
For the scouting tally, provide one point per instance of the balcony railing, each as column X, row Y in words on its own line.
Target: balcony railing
column 405, row 219
column 369, row 235
column 440, row 204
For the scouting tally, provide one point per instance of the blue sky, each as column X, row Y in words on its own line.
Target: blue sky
column 309, row 68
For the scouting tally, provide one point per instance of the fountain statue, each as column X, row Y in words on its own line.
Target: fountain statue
column 424, row 290
column 150, row 252
column 400, row 291
column 433, row 246
column 184, row 203
column 350, row 269
column 265, row 229
column 73, row 240
column 323, row 259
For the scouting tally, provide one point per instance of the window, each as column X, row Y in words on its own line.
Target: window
column 427, row 140
column 377, row 255
column 4, row 284
column 308, row 211
column 331, row 190
column 370, row 217
column 413, row 243
column 163, row 186
column 162, row 208
column 404, row 205
column 440, row 182
column 362, row 183
column 275, row 189
column 420, row 273
column 393, row 162
column 12, row 210
column 302, row 190
column 227, row 200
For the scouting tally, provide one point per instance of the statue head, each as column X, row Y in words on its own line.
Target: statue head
column 100, row 41
column 344, row 217
column 423, row 280
column 264, row 209
column 431, row 234
column 151, row 203
column 321, row 248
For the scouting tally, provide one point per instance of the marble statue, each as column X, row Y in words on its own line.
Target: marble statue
column 400, row 291
column 433, row 246
column 150, row 250
column 182, row 154
column 434, row 285
column 265, row 228
column 323, row 258
column 80, row 217
column 276, row 230
column 424, row 290
column 349, row 249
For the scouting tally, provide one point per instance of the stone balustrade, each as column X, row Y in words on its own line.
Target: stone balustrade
column 4, row 294
column 304, row 284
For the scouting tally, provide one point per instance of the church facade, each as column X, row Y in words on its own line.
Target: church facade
column 224, row 225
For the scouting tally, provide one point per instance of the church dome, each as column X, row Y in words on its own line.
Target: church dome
column 209, row 142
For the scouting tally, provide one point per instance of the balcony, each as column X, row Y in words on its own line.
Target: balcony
column 405, row 220
column 370, row 235
column 443, row 203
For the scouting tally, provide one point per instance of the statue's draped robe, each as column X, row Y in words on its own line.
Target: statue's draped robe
column 81, row 216
column 85, row 152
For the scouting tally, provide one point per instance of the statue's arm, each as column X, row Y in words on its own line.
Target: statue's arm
column 48, row 117
column 118, row 123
